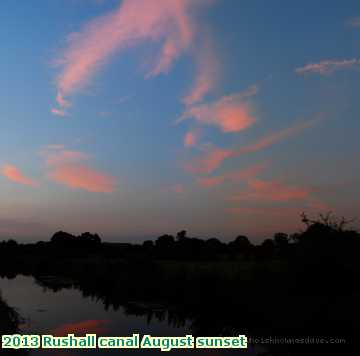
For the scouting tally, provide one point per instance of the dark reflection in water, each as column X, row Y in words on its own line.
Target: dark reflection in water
column 59, row 311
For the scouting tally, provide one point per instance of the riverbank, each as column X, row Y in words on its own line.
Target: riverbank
column 295, row 287
column 9, row 319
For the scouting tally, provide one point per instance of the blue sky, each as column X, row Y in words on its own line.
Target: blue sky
column 92, row 93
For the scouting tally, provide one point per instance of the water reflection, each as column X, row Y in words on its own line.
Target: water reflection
column 49, row 308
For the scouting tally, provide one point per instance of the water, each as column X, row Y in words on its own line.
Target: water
column 68, row 311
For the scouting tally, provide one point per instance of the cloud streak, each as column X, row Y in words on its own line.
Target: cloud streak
column 58, row 112
column 191, row 138
column 68, row 168
column 328, row 67
column 207, row 163
column 207, row 76
column 230, row 113
column 272, row 191
column 132, row 23
column 83, row 177
column 214, row 157
column 233, row 176
column 14, row 174
column 276, row 137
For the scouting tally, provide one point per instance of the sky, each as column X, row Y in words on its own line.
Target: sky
column 137, row 118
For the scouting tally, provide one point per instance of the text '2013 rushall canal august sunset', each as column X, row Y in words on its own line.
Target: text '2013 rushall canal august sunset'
column 92, row 341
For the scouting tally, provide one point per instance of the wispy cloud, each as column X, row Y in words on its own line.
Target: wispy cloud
column 134, row 22
column 328, row 67
column 207, row 76
column 191, row 138
column 230, row 113
column 15, row 175
column 233, row 176
column 278, row 136
column 275, row 191
column 58, row 112
column 57, row 156
column 68, row 168
column 272, row 191
column 246, row 173
column 208, row 162
column 212, row 157
column 83, row 177
column 207, row 182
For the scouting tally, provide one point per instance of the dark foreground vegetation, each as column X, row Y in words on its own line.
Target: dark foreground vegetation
column 300, row 286
column 9, row 324
column 9, row 319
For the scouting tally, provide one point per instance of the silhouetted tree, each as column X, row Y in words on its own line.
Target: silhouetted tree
column 181, row 235
column 12, row 243
column 165, row 241
column 267, row 248
column 148, row 244
column 281, row 239
column 214, row 244
column 241, row 242
column 62, row 238
column 328, row 220
column 86, row 239
column 89, row 239
column 241, row 245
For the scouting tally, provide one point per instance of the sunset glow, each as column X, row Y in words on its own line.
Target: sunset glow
column 139, row 117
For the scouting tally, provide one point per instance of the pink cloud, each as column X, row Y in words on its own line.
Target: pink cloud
column 61, row 101
column 15, row 175
column 234, row 176
column 58, row 112
column 208, row 182
column 275, row 191
column 134, row 22
column 247, row 173
column 230, row 113
column 275, row 137
column 327, row 67
column 83, row 177
column 214, row 157
column 261, row 192
column 190, row 139
column 67, row 167
column 207, row 75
